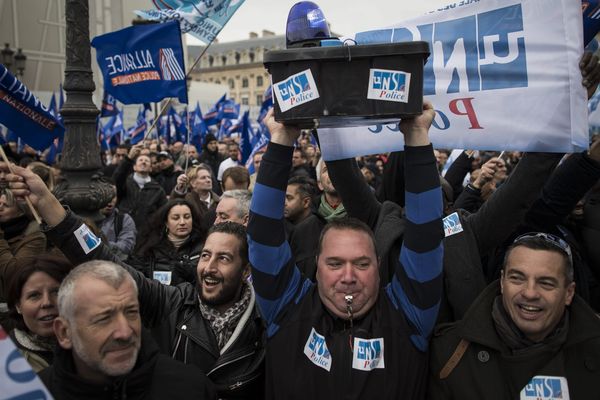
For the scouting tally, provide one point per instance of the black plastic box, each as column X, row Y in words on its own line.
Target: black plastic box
column 343, row 76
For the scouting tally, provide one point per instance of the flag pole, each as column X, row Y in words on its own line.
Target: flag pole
column 169, row 100
column 27, row 200
column 187, row 149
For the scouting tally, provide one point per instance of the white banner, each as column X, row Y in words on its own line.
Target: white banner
column 17, row 379
column 502, row 75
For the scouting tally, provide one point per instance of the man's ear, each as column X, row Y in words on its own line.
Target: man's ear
column 62, row 330
column 501, row 281
column 245, row 219
column 306, row 202
column 246, row 272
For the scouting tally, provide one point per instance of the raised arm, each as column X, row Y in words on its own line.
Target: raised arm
column 416, row 288
column 276, row 279
column 67, row 232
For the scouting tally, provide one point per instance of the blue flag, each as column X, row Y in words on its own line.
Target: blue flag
column 266, row 105
column 246, row 136
column 25, row 114
column 261, row 141
column 212, row 116
column 229, row 110
column 143, row 63
column 138, row 131
column 198, row 127
column 55, row 150
column 109, row 106
column 52, row 109
column 224, row 128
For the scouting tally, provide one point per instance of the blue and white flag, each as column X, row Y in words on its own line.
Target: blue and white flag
column 202, row 18
column 137, row 132
column 142, row 63
column 198, row 127
column 266, row 105
column 23, row 113
column 212, row 117
column 261, row 142
column 17, row 379
column 502, row 75
column 229, row 110
column 109, row 106
column 246, row 138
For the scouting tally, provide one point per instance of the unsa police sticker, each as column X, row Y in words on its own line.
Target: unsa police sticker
column 87, row 240
column 368, row 354
column 388, row 85
column 452, row 225
column 542, row 387
column 316, row 350
column 295, row 90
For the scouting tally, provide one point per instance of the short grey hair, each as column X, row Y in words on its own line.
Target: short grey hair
column 242, row 197
column 106, row 271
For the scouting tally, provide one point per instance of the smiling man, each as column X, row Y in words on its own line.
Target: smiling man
column 213, row 324
column 102, row 354
column 527, row 336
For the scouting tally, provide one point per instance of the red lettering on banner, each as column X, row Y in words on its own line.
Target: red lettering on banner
column 27, row 111
column 469, row 111
column 135, row 78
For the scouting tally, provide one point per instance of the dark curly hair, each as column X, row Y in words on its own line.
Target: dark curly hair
column 153, row 233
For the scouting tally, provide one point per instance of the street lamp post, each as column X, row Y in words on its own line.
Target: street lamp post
column 10, row 59
column 82, row 188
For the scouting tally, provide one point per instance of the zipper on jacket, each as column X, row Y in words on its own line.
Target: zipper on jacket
column 230, row 362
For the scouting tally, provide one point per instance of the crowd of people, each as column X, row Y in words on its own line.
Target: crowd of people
column 413, row 274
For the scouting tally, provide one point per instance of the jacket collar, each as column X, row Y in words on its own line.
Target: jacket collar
column 477, row 325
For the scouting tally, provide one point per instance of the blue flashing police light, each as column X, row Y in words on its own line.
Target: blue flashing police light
column 306, row 25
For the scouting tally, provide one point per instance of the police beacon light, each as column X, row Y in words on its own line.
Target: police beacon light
column 306, row 26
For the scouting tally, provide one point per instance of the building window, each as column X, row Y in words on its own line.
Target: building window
column 259, row 81
column 237, row 58
column 251, row 56
column 231, row 84
column 211, row 61
column 259, row 99
column 218, row 82
column 224, row 60
column 245, row 82
column 245, row 100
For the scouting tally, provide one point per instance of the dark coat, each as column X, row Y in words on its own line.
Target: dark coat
column 138, row 203
column 164, row 256
column 488, row 370
column 173, row 312
column 154, row 376
column 464, row 276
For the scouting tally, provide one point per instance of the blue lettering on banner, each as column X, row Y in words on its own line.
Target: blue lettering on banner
column 546, row 388
column 295, row 86
column 485, row 51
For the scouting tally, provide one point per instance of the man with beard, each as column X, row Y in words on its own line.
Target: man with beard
column 102, row 353
column 213, row 324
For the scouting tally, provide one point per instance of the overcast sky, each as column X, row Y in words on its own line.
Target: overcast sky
column 345, row 16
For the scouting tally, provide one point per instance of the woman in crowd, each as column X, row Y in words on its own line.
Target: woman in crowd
column 168, row 246
column 20, row 237
column 32, row 303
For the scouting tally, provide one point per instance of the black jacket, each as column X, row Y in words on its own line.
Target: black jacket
column 179, row 328
column 138, row 203
column 154, row 376
column 164, row 256
column 167, row 178
column 464, row 249
column 488, row 370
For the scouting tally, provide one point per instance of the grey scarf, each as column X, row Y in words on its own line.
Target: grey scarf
column 223, row 324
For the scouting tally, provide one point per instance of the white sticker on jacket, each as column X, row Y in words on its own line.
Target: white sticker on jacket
column 316, row 350
column 163, row 277
column 87, row 240
column 452, row 224
column 542, row 387
column 368, row 354
column 295, row 90
column 388, row 85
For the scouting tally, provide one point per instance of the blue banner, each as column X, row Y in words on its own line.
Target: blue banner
column 202, row 18
column 23, row 113
column 109, row 106
column 142, row 63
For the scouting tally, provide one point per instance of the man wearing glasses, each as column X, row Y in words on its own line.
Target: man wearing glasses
column 527, row 336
